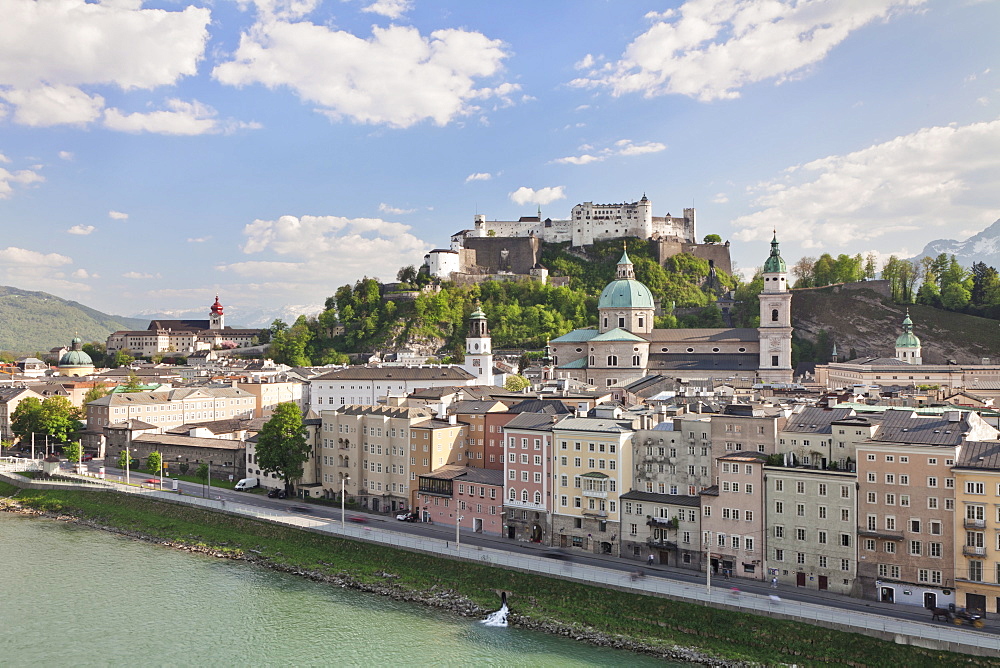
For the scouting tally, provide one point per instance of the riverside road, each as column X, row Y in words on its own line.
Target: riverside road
column 598, row 569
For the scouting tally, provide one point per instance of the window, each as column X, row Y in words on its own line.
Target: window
column 779, row 531
column 822, row 537
column 889, row 547
column 845, row 540
column 779, row 507
column 822, row 489
column 976, row 571
column 800, row 534
column 932, row 481
column 934, row 550
column 915, row 548
column 975, row 488
column 914, row 526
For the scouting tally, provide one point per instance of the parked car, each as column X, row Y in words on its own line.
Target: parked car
column 408, row 517
column 276, row 493
column 88, row 457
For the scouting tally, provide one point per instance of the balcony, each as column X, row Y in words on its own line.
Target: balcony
column 600, row 514
column 974, row 524
column 594, row 493
column 882, row 534
column 661, row 543
column 662, row 522
column 971, row 551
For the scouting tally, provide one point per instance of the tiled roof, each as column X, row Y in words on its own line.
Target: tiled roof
column 549, row 406
column 189, row 441
column 905, row 426
column 702, row 335
column 617, row 334
column 594, row 424
column 814, row 420
column 387, row 411
column 532, row 421
column 575, row 364
column 983, row 455
column 703, row 361
column 471, row 406
column 576, row 336
column 390, row 373
column 494, row 477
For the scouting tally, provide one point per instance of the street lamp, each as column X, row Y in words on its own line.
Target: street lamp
column 458, row 537
column 343, row 496
column 128, row 460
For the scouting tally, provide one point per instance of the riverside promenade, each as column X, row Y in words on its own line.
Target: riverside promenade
column 923, row 634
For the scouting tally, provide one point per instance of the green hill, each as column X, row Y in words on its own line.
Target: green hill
column 868, row 322
column 37, row 321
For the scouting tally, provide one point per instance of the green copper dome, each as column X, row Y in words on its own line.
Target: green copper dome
column 75, row 357
column 907, row 339
column 626, row 293
column 774, row 264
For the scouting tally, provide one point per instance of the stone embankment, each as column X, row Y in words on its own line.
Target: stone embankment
column 442, row 599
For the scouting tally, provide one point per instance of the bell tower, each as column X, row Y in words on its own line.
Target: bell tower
column 216, row 319
column 479, row 349
column 775, row 331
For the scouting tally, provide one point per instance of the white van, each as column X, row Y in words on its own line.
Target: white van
column 247, row 483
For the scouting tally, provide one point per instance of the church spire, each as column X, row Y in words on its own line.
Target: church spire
column 626, row 270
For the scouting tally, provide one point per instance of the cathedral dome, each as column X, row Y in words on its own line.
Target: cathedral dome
column 775, row 264
column 907, row 339
column 75, row 357
column 626, row 293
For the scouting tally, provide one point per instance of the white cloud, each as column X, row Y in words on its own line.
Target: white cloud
column 622, row 147
column 391, row 8
column 138, row 275
column 183, row 118
column 13, row 255
column 86, row 44
column 920, row 184
column 53, row 105
column 720, row 198
column 66, row 155
column 22, row 177
column 525, row 195
column 198, row 240
column 82, row 230
column 318, row 252
column 396, row 77
column 478, row 176
column 385, row 208
column 83, row 273
column 709, row 49
column 117, row 215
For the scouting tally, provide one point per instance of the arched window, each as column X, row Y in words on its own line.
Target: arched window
column 635, row 360
column 774, row 315
column 524, row 495
column 513, row 494
column 538, row 497
column 612, row 360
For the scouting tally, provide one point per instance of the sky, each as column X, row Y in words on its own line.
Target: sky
column 155, row 154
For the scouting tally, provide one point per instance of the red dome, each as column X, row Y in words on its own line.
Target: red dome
column 216, row 307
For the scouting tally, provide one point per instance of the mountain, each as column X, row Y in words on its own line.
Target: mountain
column 983, row 247
column 37, row 321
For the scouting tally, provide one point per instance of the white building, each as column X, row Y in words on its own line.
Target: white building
column 372, row 385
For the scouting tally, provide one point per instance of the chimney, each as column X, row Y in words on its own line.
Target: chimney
column 453, row 419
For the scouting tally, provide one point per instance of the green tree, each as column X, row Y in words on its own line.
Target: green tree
column 96, row 392
column 73, row 451
column 98, row 353
column 55, row 417
column 713, row 239
column 120, row 359
column 201, row 473
column 282, row 447
column 26, row 419
column 133, row 384
column 516, row 383
column 124, row 458
column 154, row 462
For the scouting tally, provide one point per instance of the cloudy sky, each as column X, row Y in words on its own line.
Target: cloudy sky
column 155, row 153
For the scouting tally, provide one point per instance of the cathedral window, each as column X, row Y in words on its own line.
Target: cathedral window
column 612, row 360
column 642, row 322
column 774, row 360
column 774, row 315
column 621, row 322
column 635, row 360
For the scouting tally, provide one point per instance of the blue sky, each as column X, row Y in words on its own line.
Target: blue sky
column 155, row 153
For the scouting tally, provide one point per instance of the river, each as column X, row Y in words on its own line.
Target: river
column 81, row 597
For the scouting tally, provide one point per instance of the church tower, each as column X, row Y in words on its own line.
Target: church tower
column 907, row 343
column 626, row 303
column 479, row 349
column 216, row 320
column 775, row 331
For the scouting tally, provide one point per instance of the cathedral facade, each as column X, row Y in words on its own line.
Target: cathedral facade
column 625, row 346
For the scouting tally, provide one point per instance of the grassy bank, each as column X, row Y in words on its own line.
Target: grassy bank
column 655, row 621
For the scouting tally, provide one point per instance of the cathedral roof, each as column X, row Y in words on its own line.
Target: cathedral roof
column 626, row 293
column 576, row 336
column 774, row 263
column 617, row 334
column 75, row 357
column 907, row 339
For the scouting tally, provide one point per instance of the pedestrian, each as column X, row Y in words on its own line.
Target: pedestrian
column 774, row 583
column 649, row 562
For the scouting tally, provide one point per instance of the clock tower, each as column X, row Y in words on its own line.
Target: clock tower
column 479, row 349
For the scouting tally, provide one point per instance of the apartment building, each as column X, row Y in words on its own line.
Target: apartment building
column 732, row 517
column 666, row 527
column 466, row 496
column 746, row 428
column 269, row 394
column 372, row 385
column 977, row 526
column 592, row 466
column 165, row 410
column 473, row 415
column 906, row 506
column 527, row 476
column 810, row 527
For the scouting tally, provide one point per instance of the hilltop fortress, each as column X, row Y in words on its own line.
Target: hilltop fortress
column 513, row 247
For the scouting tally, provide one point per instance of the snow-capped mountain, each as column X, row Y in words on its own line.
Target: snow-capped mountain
column 983, row 247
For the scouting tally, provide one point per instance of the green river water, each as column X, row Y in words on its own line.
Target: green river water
column 78, row 597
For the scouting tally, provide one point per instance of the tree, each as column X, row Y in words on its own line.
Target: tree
column 98, row 353
column 133, row 384
column 124, row 458
column 96, row 392
column 201, row 473
column 55, row 417
column 281, row 444
column 26, row 419
column 154, row 462
column 73, row 451
column 120, row 359
column 516, row 383
column 713, row 239
column 407, row 274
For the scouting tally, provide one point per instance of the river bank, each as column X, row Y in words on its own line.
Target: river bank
column 665, row 628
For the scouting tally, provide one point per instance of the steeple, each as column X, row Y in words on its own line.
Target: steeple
column 907, row 343
column 775, row 264
column 626, row 269
column 216, row 318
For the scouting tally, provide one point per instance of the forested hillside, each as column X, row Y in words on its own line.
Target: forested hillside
column 37, row 321
column 522, row 314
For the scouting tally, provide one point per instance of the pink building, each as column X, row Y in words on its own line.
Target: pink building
column 528, row 476
column 471, row 496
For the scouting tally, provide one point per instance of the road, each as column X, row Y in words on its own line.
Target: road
column 447, row 533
